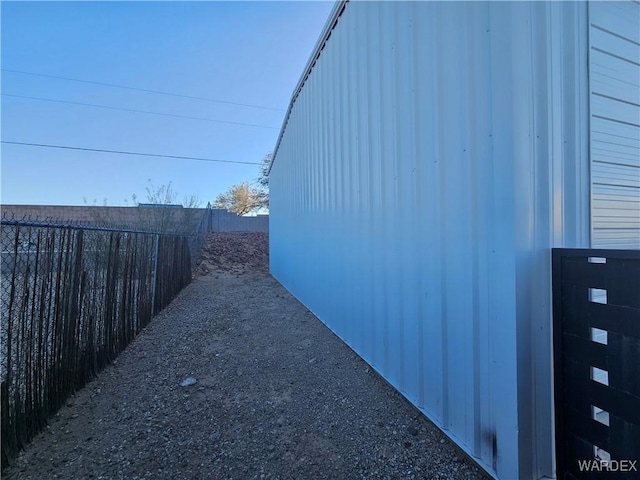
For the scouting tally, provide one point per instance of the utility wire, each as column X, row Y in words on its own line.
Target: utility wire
column 138, row 111
column 159, row 92
column 128, row 153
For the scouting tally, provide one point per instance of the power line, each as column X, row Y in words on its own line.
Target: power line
column 180, row 157
column 147, row 90
column 138, row 111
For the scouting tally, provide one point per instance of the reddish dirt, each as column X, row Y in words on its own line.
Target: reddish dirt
column 235, row 253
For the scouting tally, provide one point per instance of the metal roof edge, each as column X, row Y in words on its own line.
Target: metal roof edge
column 332, row 21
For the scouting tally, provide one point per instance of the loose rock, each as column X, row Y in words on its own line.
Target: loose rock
column 188, row 381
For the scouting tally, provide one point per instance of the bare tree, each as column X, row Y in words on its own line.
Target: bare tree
column 160, row 213
column 263, row 179
column 167, row 215
column 242, row 199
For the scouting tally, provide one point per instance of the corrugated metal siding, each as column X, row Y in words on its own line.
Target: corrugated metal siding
column 432, row 157
column 614, row 69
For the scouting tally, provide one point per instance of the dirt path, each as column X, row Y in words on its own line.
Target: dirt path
column 277, row 396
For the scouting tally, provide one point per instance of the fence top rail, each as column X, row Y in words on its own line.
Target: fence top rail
column 596, row 252
column 29, row 223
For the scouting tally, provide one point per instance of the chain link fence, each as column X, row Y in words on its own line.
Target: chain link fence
column 205, row 226
column 72, row 298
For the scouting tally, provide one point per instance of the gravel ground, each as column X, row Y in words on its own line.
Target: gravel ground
column 277, row 396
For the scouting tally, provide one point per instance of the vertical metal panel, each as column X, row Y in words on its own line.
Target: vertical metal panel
column 614, row 72
column 432, row 156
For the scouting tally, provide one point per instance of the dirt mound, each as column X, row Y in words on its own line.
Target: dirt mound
column 234, row 252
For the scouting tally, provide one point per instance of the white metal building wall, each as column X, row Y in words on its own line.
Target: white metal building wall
column 614, row 69
column 431, row 158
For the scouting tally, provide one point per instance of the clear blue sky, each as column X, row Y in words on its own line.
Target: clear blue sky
column 243, row 52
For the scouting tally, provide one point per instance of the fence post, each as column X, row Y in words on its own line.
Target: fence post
column 154, row 279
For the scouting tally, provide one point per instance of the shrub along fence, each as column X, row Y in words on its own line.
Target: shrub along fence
column 72, row 298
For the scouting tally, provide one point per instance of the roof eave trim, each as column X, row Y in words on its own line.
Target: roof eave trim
column 337, row 10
